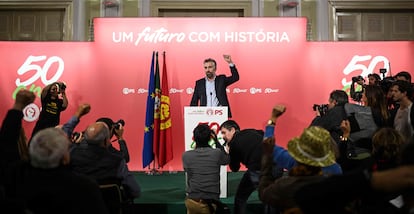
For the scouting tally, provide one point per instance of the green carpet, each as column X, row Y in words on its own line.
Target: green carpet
column 165, row 193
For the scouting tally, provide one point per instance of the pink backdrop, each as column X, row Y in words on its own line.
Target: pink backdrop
column 275, row 63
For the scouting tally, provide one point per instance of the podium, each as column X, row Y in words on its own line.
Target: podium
column 213, row 116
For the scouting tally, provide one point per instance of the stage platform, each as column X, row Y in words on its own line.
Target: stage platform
column 165, row 193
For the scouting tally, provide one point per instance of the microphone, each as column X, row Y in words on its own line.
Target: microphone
column 211, row 98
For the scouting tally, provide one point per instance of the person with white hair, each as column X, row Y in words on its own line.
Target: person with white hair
column 47, row 185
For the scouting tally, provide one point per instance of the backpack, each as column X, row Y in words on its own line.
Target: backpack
column 361, row 121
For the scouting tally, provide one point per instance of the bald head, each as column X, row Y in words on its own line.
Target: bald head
column 97, row 133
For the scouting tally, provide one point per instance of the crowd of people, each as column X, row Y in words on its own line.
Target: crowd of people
column 57, row 170
column 353, row 157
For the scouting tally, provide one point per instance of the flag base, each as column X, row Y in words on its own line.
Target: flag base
column 154, row 172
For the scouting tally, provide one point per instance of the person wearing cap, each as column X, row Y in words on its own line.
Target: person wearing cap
column 333, row 194
column 281, row 156
column 311, row 151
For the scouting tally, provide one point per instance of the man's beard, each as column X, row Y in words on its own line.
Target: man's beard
column 209, row 75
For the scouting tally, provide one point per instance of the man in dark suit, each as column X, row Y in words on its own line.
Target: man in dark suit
column 211, row 90
column 93, row 159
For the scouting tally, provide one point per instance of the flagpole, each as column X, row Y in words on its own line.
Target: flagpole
column 148, row 148
column 153, row 171
column 156, row 123
column 147, row 151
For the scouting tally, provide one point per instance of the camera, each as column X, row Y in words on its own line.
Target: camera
column 357, row 96
column 118, row 123
column 61, row 85
column 357, row 78
column 386, row 83
column 77, row 137
column 322, row 108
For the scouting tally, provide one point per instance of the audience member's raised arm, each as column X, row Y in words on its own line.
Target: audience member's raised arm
column 12, row 125
column 70, row 125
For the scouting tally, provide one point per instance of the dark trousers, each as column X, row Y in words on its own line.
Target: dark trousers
column 248, row 184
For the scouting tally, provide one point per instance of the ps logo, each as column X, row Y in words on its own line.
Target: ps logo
column 209, row 111
column 218, row 112
column 214, row 112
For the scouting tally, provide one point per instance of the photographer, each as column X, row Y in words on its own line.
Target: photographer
column 357, row 95
column 54, row 101
column 117, row 129
column 333, row 117
column 202, row 166
column 374, row 79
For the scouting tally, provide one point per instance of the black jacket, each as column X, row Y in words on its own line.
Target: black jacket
column 246, row 148
column 200, row 97
column 331, row 121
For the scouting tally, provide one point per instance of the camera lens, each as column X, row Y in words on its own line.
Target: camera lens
column 356, row 79
column 118, row 123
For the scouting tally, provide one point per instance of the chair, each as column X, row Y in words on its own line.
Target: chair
column 112, row 196
column 293, row 210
